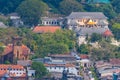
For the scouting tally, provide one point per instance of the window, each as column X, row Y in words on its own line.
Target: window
column 46, row 22
column 52, row 22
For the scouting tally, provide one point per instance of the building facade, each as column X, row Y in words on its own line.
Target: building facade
column 17, row 72
column 87, row 23
column 54, row 21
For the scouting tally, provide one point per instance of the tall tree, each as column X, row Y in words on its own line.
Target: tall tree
column 95, row 37
column 8, row 6
column 31, row 11
column 40, row 69
column 116, row 30
column 68, row 6
column 116, row 5
column 107, row 9
column 83, row 49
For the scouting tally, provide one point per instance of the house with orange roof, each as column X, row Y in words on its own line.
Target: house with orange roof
column 15, row 51
column 46, row 29
column 12, row 71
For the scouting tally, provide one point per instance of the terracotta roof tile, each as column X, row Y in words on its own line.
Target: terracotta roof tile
column 4, row 70
column 3, row 66
column 115, row 61
column 9, row 48
column 45, row 29
column 2, row 73
column 107, row 33
column 84, row 56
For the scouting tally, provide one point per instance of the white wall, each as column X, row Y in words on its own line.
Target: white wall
column 17, row 72
column 72, row 70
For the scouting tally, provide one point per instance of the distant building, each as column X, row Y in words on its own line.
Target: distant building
column 46, row 29
column 85, row 62
column 16, row 51
column 107, row 33
column 14, row 72
column 115, row 62
column 105, row 70
column 87, row 23
column 65, row 57
column 58, row 66
column 52, row 21
column 15, row 20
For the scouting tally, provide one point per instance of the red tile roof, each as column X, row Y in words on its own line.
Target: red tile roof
column 45, row 29
column 4, row 70
column 4, row 66
column 9, row 48
column 107, row 33
column 84, row 56
column 2, row 73
column 115, row 61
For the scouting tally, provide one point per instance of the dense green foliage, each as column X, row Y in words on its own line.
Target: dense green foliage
column 64, row 40
column 8, row 6
column 95, row 37
column 31, row 11
column 40, row 69
column 105, row 51
column 59, row 42
column 83, row 49
column 116, row 30
column 68, row 6
column 107, row 9
column 62, row 6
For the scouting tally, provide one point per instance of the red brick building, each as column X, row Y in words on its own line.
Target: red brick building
column 15, row 51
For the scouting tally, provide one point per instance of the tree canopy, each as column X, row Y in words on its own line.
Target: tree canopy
column 68, row 6
column 8, row 6
column 83, row 49
column 95, row 37
column 116, row 30
column 40, row 70
column 31, row 11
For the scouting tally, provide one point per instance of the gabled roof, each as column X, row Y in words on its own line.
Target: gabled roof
column 115, row 61
column 46, row 29
column 9, row 48
column 5, row 66
column 93, row 15
column 107, row 33
column 4, row 70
